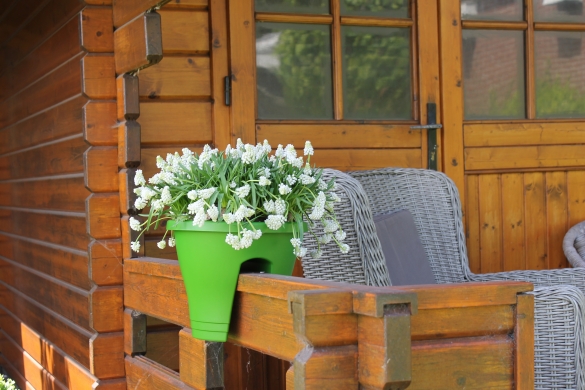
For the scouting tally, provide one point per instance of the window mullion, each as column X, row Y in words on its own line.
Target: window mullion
column 530, row 71
column 337, row 60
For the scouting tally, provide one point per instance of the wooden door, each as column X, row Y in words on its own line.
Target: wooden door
column 351, row 77
column 513, row 79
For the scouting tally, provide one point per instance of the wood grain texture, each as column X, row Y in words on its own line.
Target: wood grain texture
column 128, row 100
column 99, row 76
column 107, row 355
column 472, row 223
column 126, row 10
column 97, row 30
column 143, row 374
column 179, row 123
column 105, row 262
column 129, row 137
column 202, row 362
column 515, row 134
column 536, row 237
column 556, row 218
column 103, row 216
column 99, row 123
column 177, row 77
column 138, row 44
column 490, row 222
column 359, row 159
column 163, row 347
column 134, row 332
column 524, row 157
column 111, row 384
column 513, row 222
column 107, row 307
column 576, row 196
column 101, row 169
column 184, row 32
column 524, row 335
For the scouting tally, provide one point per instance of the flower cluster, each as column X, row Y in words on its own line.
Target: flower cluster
column 243, row 184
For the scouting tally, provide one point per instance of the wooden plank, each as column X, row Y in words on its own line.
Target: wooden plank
column 490, row 222
column 484, row 363
column 62, row 263
column 97, row 30
column 51, row 294
column 557, row 218
column 67, row 230
column 127, row 195
column 103, row 216
column 138, row 44
column 535, row 216
column 177, row 77
column 524, row 157
column 129, row 137
column 126, row 10
column 522, row 133
column 54, row 159
column 134, row 332
column 333, row 136
column 67, row 194
column 105, row 262
column 163, row 348
column 107, row 355
column 111, row 384
column 143, row 374
column 148, row 157
column 106, row 309
column 71, row 339
column 152, row 250
column 58, row 122
column 186, row 4
column 98, row 2
column 99, row 76
column 472, row 223
column 53, row 359
column 61, row 84
column 358, row 159
column 576, row 196
column 175, row 123
column 56, row 50
column 524, row 336
column 101, row 169
column 99, row 123
column 184, row 32
column 14, row 15
column 128, row 99
column 513, row 222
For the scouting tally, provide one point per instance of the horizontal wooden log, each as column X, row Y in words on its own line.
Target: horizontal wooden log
column 99, row 76
column 101, row 169
column 14, row 15
column 515, row 134
column 54, row 360
column 144, row 374
column 99, row 123
column 152, row 250
column 184, row 32
column 359, row 159
column 56, row 50
column 105, row 262
column 186, row 4
column 107, row 355
column 128, row 99
column 103, row 216
column 66, row 194
column 60, row 121
column 129, row 136
column 97, row 30
column 335, row 136
column 179, row 123
column 107, row 307
column 126, row 10
column 63, row 263
column 177, row 77
column 14, row 374
column 524, row 157
column 98, row 2
column 138, row 44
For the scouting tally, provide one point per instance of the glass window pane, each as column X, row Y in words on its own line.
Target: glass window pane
column 560, row 74
column 293, row 71
column 492, row 10
column 380, row 8
column 493, row 74
column 559, row 11
column 376, row 73
column 293, row 6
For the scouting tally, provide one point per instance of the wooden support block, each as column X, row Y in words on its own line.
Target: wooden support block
column 128, row 97
column 144, row 374
column 105, row 262
column 328, row 368
column 138, row 44
column 129, row 135
column 106, row 309
column 107, row 355
column 103, row 216
column 201, row 362
column 524, row 336
column 101, row 169
column 134, row 332
column 111, row 384
column 126, row 10
column 127, row 195
column 129, row 236
column 99, row 76
column 97, row 30
column 99, row 123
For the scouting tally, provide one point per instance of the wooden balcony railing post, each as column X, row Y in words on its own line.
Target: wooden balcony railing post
column 201, row 362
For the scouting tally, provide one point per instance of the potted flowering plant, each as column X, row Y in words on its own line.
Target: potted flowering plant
column 243, row 208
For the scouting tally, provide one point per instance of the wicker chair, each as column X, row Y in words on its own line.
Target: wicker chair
column 574, row 245
column 433, row 200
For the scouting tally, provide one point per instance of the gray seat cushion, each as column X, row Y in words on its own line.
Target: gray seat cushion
column 405, row 256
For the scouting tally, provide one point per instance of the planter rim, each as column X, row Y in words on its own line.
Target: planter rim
column 221, row 226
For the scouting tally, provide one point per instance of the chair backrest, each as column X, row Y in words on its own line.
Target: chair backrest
column 433, row 200
column 365, row 263
column 574, row 245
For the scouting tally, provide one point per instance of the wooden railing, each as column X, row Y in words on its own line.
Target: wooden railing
column 340, row 336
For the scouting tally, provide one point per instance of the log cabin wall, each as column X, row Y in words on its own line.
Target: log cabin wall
column 60, row 249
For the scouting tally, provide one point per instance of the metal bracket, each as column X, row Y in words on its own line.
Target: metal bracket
column 431, row 127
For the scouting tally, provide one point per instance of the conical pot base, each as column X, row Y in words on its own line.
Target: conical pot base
column 210, row 269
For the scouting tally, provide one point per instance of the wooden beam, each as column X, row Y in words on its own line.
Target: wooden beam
column 97, row 30
column 101, row 169
column 201, row 362
column 105, row 262
column 128, row 97
column 103, row 216
column 99, row 123
column 134, row 332
column 129, row 139
column 138, row 44
column 126, row 10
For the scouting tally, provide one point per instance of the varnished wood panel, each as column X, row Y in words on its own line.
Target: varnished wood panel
column 179, row 123
column 535, row 209
column 186, row 4
column 576, row 196
column 515, row 134
column 99, row 76
column 472, row 223
column 144, row 374
column 557, row 218
column 513, row 221
column 176, row 77
column 97, row 30
column 126, row 10
column 107, row 355
column 163, row 347
column 184, row 32
column 517, row 157
column 99, row 123
column 13, row 14
column 138, row 44
column 105, row 257
column 359, row 159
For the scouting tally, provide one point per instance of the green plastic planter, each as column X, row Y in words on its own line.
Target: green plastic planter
column 210, row 269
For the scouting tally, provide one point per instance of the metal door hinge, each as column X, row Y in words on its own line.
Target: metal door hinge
column 431, row 128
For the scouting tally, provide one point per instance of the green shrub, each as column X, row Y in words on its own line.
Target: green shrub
column 7, row 383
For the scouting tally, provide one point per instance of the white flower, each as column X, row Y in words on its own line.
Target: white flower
column 166, row 196
column 322, row 185
column 307, row 169
column 168, row 178
column 269, row 206
column 196, row 207
column 157, row 205
column 308, row 149
column 316, row 254
column 135, row 246
column 193, row 195
column 344, row 248
column 325, row 239
column 300, row 251
column 335, row 197
column 340, row 235
column 233, row 241
column 257, row 234
column 243, row 212
column 274, row 222
column 139, row 178
column 279, row 152
column 290, row 153
column 140, row 203
column 243, row 191
column 160, row 162
column 188, row 157
column 200, row 218
column 233, row 184
column 318, row 207
column 162, row 244
column 264, row 181
column 266, row 146
column 297, row 162
column 280, row 206
column 229, row 218
column 172, row 242
column 283, row 189
column 156, row 179
column 291, row 180
column 330, row 226
column 306, row 179
column 296, row 242
column 134, row 224
column 147, row 193
column 213, row 213
column 206, row 193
